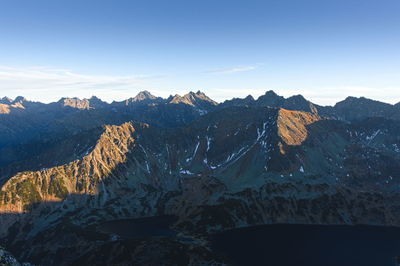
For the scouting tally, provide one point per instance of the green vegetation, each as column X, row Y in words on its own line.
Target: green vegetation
column 57, row 188
column 28, row 193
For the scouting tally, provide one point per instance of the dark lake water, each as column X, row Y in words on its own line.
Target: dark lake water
column 309, row 245
column 283, row 244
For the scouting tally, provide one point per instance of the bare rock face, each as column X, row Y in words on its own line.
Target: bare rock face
column 78, row 177
column 292, row 125
column 75, row 103
column 4, row 109
column 8, row 108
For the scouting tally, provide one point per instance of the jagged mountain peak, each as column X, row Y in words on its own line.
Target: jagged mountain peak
column 298, row 97
column 298, row 102
column 20, row 99
column 249, row 98
column 198, row 100
column 270, row 93
column 202, row 96
column 6, row 100
column 96, row 102
column 198, row 94
column 177, row 99
column 7, row 105
column 144, row 95
column 94, row 98
column 270, row 98
column 75, row 103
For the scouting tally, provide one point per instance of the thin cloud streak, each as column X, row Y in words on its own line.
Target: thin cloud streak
column 50, row 83
column 232, row 70
column 59, row 76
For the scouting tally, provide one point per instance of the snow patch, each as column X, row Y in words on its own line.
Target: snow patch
column 186, row 172
column 301, row 169
column 371, row 138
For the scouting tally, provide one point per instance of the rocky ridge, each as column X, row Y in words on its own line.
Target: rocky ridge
column 234, row 166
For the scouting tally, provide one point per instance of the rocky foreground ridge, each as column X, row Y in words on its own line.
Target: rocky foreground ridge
column 235, row 166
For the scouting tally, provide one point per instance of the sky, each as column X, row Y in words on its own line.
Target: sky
column 323, row 49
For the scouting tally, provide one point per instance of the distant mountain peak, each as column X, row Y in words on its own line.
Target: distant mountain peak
column 94, row 98
column 144, row 95
column 360, row 100
column 74, row 103
column 7, row 104
column 351, row 99
column 270, row 93
column 353, row 108
column 20, row 99
column 239, row 101
column 191, row 98
column 197, row 93
column 176, row 99
column 270, row 98
column 6, row 100
column 298, row 97
column 96, row 102
column 249, row 98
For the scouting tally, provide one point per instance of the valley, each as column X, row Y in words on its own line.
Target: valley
column 77, row 165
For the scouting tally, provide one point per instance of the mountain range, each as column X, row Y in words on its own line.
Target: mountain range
column 67, row 167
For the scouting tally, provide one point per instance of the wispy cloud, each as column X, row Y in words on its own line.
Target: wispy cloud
column 50, row 83
column 233, row 69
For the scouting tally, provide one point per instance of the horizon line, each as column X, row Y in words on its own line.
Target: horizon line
column 191, row 91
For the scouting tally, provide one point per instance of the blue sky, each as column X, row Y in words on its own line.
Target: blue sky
column 325, row 50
